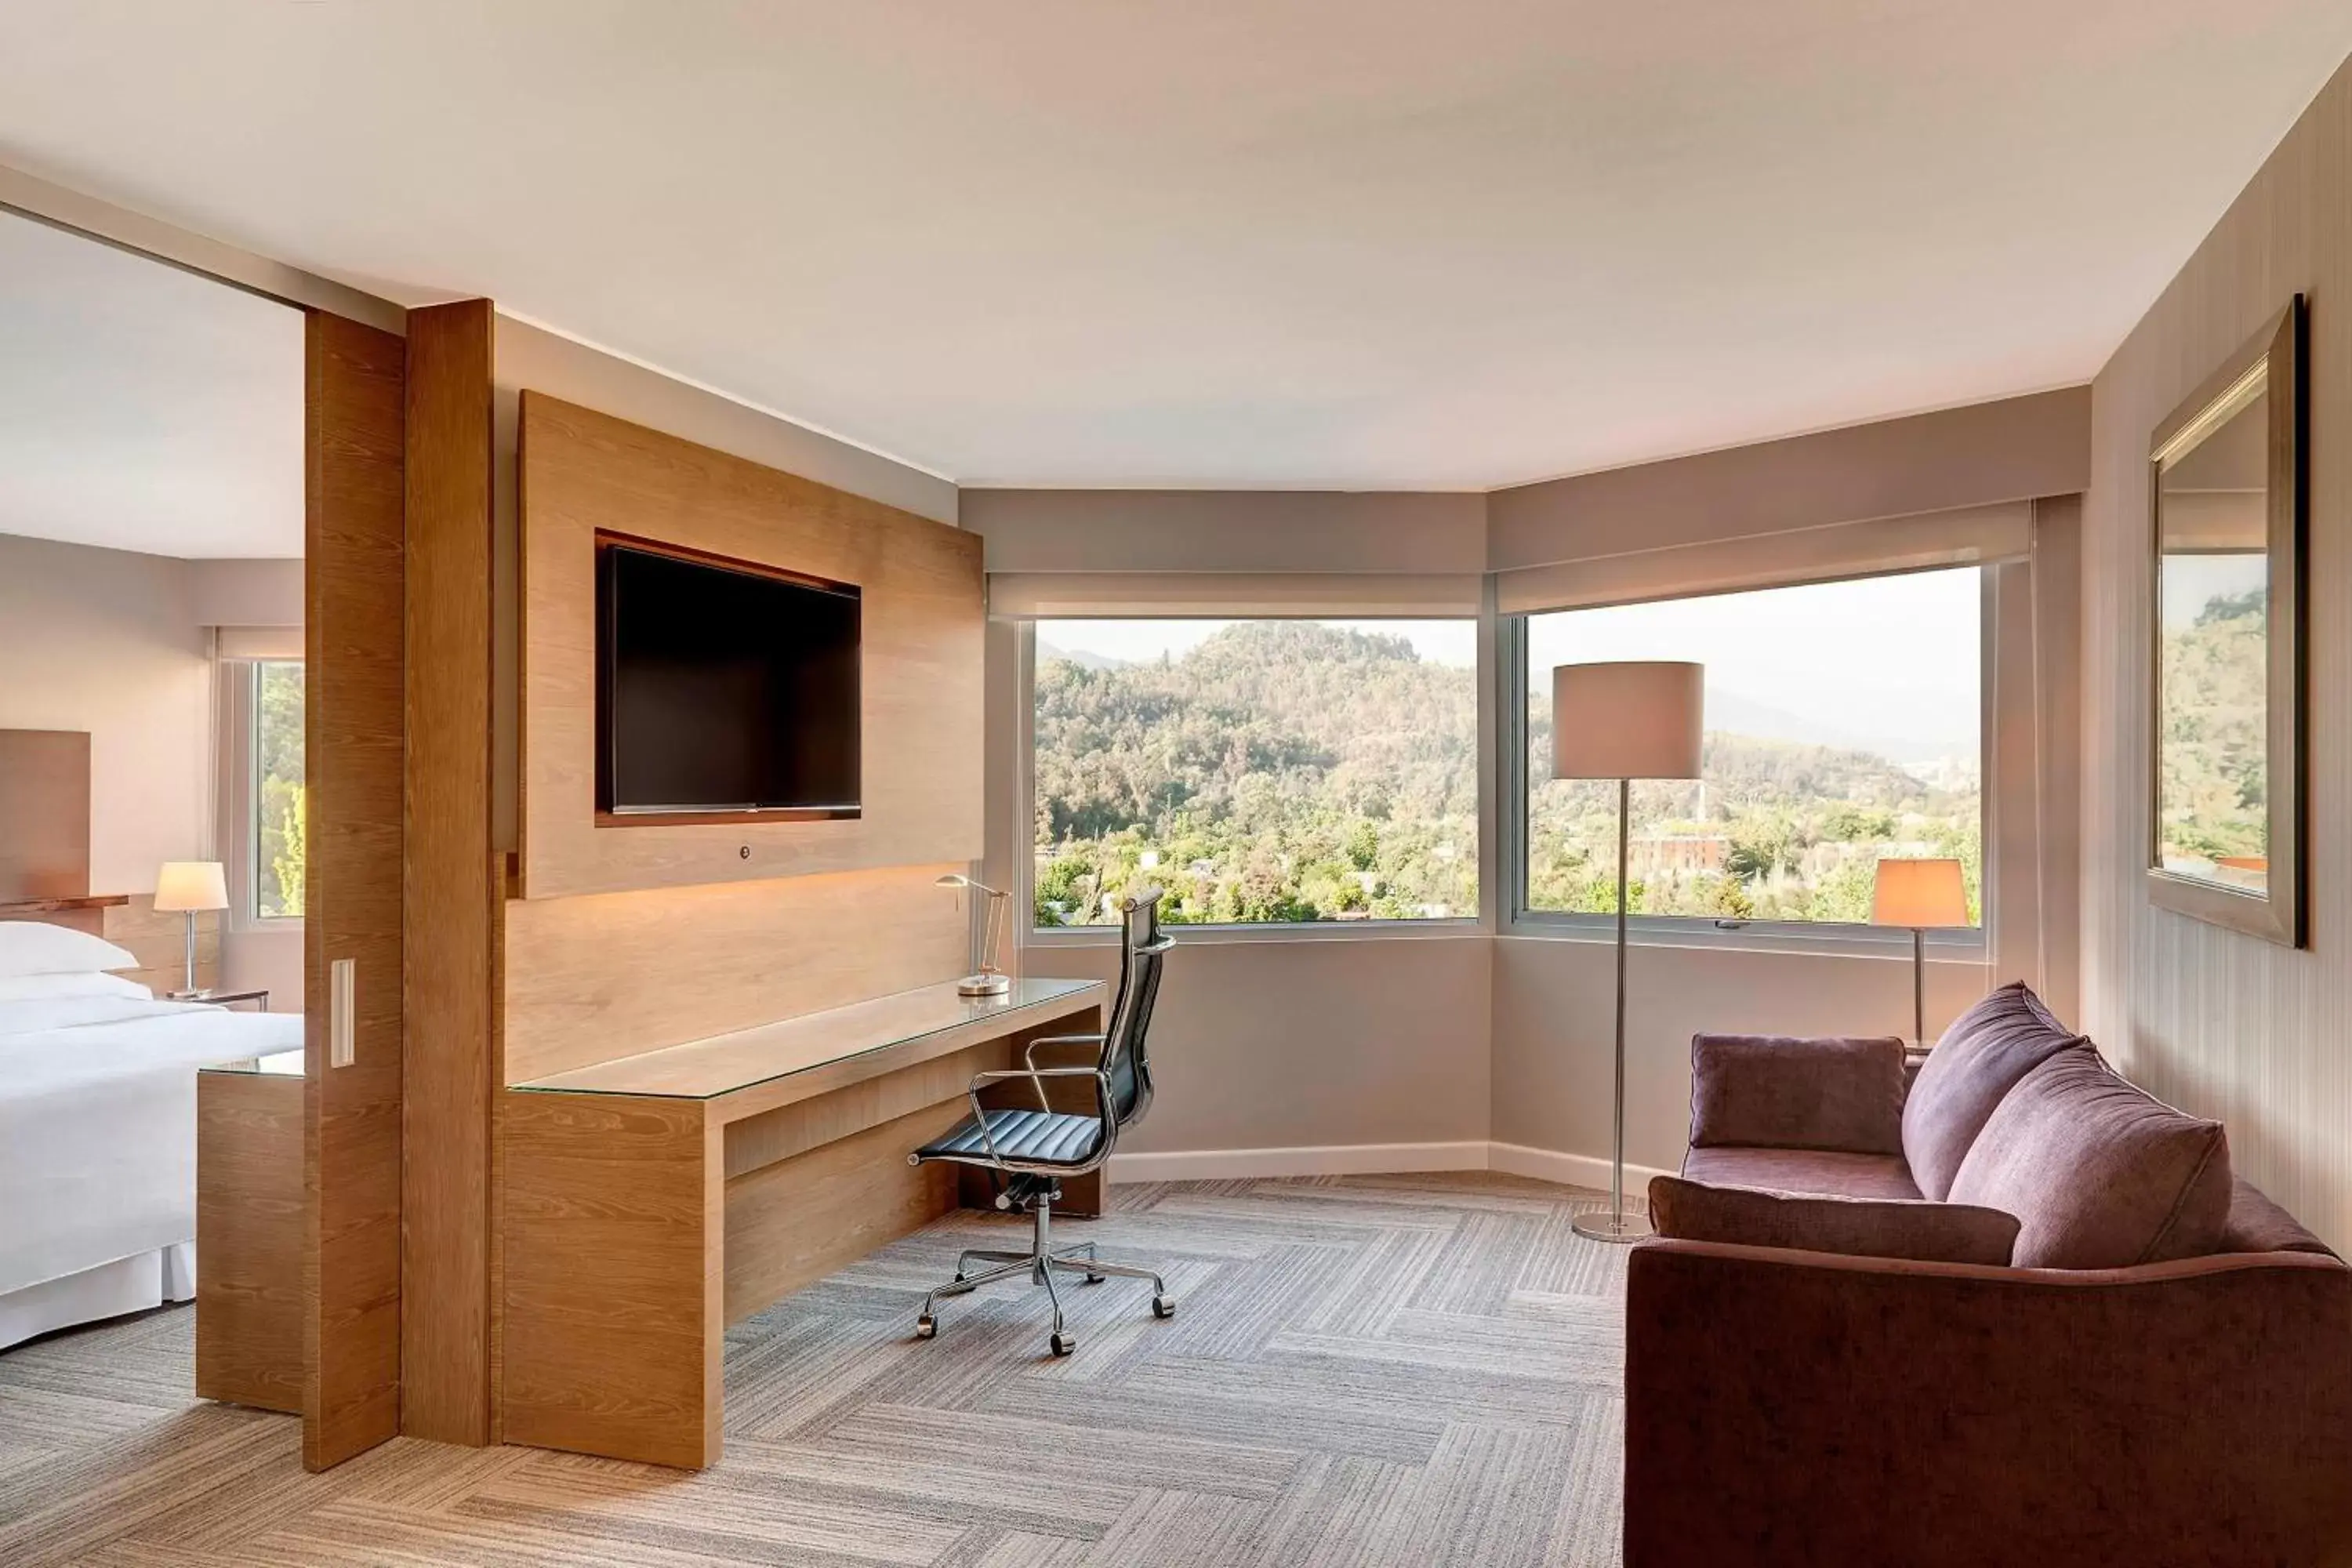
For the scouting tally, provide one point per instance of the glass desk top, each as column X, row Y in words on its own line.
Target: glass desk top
column 278, row 1063
column 723, row 1064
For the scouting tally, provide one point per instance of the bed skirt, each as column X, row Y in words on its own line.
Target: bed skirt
column 130, row 1284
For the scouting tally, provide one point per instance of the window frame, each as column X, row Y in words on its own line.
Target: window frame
column 238, row 739
column 1822, row 938
column 1022, row 885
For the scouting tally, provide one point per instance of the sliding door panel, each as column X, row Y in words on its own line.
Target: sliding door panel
column 352, row 975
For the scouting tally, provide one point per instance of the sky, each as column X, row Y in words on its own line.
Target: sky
column 1891, row 662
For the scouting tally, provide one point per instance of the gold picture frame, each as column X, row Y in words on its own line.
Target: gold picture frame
column 2228, row 500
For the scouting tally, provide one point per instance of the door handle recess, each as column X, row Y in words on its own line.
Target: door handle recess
column 343, row 1039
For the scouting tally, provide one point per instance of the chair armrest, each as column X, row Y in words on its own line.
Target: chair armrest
column 1029, row 1056
column 1783, row 1091
column 1038, row 1076
column 1792, row 1407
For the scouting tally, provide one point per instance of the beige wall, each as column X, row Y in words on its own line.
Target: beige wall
column 1310, row 1045
column 107, row 641
column 1277, row 1045
column 2226, row 1024
column 2014, row 448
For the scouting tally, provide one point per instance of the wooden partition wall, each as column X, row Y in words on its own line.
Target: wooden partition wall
column 630, row 938
column 622, row 939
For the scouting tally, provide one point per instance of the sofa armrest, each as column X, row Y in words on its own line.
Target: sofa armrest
column 1794, row 1407
column 1781, row 1091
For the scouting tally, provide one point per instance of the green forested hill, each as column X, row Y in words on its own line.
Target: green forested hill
column 1284, row 770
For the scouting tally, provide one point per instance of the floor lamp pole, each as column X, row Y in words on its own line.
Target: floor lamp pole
column 1617, row 1225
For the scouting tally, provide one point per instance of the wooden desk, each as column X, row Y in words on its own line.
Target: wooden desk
column 650, row 1202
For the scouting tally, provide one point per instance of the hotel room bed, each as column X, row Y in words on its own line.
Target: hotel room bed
column 97, row 1148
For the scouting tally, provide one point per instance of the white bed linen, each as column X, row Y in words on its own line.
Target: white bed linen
column 98, row 1125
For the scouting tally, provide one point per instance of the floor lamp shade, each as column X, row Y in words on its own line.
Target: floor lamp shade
column 1636, row 719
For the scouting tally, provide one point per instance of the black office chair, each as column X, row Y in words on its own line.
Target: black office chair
column 1033, row 1150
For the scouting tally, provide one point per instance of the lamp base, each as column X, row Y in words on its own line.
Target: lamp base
column 1616, row 1228
column 990, row 984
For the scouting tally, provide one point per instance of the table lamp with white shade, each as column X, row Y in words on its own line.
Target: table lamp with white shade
column 1926, row 895
column 1625, row 720
column 190, row 888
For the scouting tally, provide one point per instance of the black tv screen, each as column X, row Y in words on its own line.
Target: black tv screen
column 723, row 688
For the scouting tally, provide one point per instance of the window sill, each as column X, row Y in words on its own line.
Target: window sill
column 1836, row 942
column 1051, row 937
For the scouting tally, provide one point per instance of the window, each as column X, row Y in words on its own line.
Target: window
column 278, row 821
column 1262, row 772
column 1843, row 723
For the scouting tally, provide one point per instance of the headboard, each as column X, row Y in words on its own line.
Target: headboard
column 44, row 815
column 45, row 862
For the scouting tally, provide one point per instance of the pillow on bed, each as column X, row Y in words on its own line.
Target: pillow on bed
column 50, row 988
column 30, row 947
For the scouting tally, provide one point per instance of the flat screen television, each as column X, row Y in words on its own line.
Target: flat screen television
column 723, row 688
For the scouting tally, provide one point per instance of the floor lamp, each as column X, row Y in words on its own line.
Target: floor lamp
column 1627, row 721
column 1925, row 895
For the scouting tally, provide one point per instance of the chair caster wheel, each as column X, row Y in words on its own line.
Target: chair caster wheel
column 925, row 1327
column 1163, row 1306
column 1062, row 1344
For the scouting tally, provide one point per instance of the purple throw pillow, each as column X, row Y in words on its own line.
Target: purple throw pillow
column 1988, row 1049
column 1858, row 1228
column 1780, row 1091
column 2100, row 1173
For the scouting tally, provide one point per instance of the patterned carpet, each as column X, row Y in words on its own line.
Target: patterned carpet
column 1407, row 1370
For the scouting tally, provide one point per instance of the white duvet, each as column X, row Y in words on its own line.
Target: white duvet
column 97, row 1124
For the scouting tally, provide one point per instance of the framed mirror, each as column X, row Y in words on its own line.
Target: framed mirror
column 2227, row 489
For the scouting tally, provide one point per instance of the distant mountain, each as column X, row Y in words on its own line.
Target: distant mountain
column 1734, row 714
column 1048, row 652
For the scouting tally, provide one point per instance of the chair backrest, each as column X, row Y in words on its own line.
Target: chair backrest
column 1126, row 1056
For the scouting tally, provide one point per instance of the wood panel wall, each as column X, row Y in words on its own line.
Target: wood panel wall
column 353, row 724
column 44, row 814
column 592, row 978
column 453, row 888
column 923, row 623
column 2222, row 1024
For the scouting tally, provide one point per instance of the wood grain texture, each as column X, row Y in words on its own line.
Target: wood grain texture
column 85, row 914
column 589, row 979
column 920, row 665
column 352, row 731
column 160, row 942
column 801, row 1218
column 2223, row 1024
column 249, row 1238
column 453, row 895
column 611, row 1230
column 44, row 814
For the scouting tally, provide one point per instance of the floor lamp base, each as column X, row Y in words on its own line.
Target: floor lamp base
column 1612, row 1228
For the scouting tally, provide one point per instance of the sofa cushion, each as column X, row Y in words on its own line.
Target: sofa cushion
column 2100, row 1173
column 1862, row 1227
column 1979, row 1059
column 1777, row 1091
column 2257, row 1225
column 1831, row 1173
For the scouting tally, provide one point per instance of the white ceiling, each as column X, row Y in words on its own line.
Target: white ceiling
column 142, row 407
column 1355, row 243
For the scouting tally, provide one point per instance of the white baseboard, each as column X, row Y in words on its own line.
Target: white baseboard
column 1371, row 1160
column 1573, row 1169
column 1331, row 1160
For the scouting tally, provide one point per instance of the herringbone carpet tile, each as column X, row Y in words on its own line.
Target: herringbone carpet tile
column 1418, row 1371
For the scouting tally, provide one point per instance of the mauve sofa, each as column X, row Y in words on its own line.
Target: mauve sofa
column 2187, row 1399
